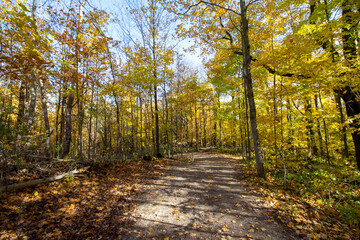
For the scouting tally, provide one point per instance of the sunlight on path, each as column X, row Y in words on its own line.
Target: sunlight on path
column 204, row 199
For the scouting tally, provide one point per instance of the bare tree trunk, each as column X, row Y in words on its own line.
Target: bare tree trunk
column 241, row 129
column 327, row 139
column 141, row 124
column 62, row 126
column 31, row 110
column 33, row 87
column 310, row 128
column 204, row 125
column 71, row 96
column 275, row 118
column 320, row 136
column 345, row 149
column 215, row 130
column 196, row 129
column 21, row 106
column 157, row 130
column 80, row 128
column 46, row 118
column 68, row 124
column 250, row 93
column 96, row 128
column 248, row 145
column 90, row 124
column 220, row 126
column 350, row 94
column 57, row 137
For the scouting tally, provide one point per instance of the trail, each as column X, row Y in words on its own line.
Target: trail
column 203, row 199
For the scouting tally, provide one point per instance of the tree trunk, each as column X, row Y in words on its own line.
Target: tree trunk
column 33, row 87
column 57, row 141
column 310, row 129
column 62, row 126
column 204, row 126
column 81, row 116
column 196, row 130
column 250, row 93
column 215, row 130
column 68, row 124
column 46, row 118
column 70, row 98
column 248, row 142
column 321, row 144
column 157, row 130
column 220, row 126
column 166, row 112
column 349, row 93
column 345, row 149
column 275, row 116
column 352, row 104
column 141, row 124
column 31, row 110
column 91, row 108
column 327, row 139
column 21, row 106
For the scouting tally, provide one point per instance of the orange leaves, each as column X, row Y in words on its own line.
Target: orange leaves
column 76, row 209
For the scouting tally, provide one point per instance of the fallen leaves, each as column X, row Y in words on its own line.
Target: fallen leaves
column 97, row 205
column 310, row 209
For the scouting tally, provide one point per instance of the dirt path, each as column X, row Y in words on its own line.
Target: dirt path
column 204, row 199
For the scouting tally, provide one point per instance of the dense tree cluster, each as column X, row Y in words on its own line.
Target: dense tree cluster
column 280, row 84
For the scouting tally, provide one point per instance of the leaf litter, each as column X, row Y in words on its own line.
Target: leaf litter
column 92, row 206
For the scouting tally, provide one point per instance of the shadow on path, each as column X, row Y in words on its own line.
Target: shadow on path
column 204, row 199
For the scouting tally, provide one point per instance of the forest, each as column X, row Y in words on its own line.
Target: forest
column 111, row 89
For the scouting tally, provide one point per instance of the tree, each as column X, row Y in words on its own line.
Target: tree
column 219, row 10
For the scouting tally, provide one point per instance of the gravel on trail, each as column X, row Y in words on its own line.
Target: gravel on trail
column 204, row 199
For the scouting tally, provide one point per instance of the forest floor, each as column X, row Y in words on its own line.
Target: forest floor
column 204, row 197
column 194, row 196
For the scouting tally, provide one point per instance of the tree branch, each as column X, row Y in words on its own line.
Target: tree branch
column 209, row 4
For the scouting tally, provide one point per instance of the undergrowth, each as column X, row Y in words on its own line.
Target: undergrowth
column 315, row 198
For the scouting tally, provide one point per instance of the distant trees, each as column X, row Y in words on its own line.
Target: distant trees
column 296, row 64
column 285, row 70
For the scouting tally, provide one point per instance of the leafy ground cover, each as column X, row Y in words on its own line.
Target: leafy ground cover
column 317, row 200
column 93, row 205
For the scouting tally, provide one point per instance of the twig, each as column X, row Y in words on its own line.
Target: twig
column 38, row 181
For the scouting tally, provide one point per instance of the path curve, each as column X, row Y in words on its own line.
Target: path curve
column 203, row 199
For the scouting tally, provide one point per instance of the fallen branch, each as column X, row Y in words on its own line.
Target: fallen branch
column 39, row 181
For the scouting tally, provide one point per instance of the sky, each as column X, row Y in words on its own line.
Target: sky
column 193, row 59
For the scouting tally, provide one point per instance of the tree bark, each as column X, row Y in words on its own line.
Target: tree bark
column 21, row 105
column 46, row 118
column 345, row 150
column 157, row 129
column 39, row 181
column 310, row 128
column 71, row 96
column 68, row 124
column 33, row 95
column 247, row 132
column 204, row 126
column 320, row 135
column 196, row 129
column 348, row 93
column 33, row 79
column 248, row 82
column 275, row 116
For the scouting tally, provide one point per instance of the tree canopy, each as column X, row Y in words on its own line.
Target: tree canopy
column 279, row 85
